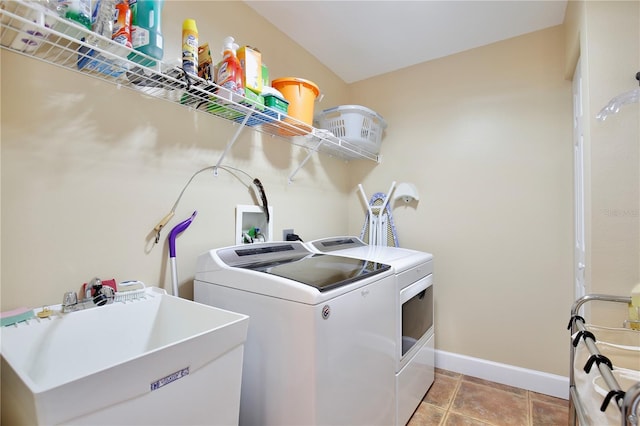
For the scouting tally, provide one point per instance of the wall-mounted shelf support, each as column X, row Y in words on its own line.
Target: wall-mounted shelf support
column 232, row 141
column 310, row 152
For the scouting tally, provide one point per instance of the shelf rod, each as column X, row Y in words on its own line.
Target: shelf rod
column 310, row 152
column 233, row 139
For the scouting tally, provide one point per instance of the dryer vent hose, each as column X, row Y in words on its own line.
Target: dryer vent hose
column 263, row 197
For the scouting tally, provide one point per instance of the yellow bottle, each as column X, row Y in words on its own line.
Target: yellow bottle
column 190, row 47
column 634, row 308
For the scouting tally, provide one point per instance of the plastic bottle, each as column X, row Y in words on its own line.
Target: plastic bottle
column 146, row 33
column 56, row 6
column 190, row 47
column 31, row 36
column 103, row 24
column 122, row 24
column 229, row 73
column 79, row 11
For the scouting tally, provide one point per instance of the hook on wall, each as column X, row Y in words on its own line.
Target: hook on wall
column 406, row 192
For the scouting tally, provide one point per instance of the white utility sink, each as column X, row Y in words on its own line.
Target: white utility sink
column 157, row 360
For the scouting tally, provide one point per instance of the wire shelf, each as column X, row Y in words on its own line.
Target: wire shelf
column 31, row 30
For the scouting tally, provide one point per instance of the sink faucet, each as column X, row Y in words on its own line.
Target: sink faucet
column 95, row 295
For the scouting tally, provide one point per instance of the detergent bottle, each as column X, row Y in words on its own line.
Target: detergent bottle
column 122, row 24
column 229, row 73
column 146, row 34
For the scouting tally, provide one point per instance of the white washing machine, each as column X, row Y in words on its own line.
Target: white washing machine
column 414, row 352
column 320, row 348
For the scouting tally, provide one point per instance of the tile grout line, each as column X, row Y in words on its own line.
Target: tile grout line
column 454, row 394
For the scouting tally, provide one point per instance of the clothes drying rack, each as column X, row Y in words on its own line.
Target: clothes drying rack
column 627, row 401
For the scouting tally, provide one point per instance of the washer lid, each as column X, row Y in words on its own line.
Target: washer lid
column 293, row 261
column 321, row 271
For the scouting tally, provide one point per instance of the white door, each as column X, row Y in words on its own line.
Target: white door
column 578, row 169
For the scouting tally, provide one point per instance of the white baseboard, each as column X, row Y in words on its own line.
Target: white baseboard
column 537, row 381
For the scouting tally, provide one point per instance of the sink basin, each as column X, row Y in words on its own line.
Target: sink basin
column 156, row 360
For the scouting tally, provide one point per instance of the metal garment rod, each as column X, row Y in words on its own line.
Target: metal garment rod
column 577, row 324
column 576, row 408
column 632, row 403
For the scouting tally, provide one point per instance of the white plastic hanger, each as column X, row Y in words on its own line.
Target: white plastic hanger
column 614, row 105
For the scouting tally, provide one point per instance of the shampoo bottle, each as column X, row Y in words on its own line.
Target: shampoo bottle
column 190, row 47
column 229, row 73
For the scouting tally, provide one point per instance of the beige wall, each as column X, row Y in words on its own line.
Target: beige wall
column 606, row 36
column 89, row 169
column 485, row 135
column 611, row 44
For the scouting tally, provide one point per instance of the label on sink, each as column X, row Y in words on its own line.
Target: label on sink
column 169, row 379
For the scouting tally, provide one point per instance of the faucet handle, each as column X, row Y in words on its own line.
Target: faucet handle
column 103, row 295
column 69, row 299
column 92, row 287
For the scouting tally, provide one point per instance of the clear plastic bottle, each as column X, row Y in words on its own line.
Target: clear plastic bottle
column 56, row 6
column 79, row 11
column 104, row 18
column 190, row 47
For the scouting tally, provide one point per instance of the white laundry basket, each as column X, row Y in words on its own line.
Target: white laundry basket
column 355, row 124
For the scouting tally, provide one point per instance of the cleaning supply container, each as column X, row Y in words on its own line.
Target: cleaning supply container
column 301, row 95
column 146, row 32
column 229, row 73
column 190, row 47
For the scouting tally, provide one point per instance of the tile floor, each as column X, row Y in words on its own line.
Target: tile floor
column 455, row 399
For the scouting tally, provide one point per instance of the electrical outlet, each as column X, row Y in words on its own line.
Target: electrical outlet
column 286, row 232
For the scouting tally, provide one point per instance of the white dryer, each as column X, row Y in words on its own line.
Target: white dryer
column 320, row 348
column 413, row 302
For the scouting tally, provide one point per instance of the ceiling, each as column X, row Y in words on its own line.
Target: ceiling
column 362, row 39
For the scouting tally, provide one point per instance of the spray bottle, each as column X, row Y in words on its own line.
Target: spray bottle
column 122, row 24
column 229, row 73
column 190, row 47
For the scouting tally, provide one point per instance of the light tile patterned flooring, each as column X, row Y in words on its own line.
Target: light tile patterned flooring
column 458, row 400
